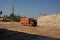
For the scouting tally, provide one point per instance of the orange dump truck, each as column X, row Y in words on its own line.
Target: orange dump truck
column 28, row 21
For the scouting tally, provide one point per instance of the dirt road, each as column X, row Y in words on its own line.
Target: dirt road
column 6, row 34
column 41, row 30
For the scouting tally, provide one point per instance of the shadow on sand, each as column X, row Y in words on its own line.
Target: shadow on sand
column 6, row 34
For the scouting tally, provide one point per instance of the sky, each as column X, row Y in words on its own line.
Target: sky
column 30, row 8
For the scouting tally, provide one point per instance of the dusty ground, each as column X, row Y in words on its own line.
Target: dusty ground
column 49, row 31
column 6, row 34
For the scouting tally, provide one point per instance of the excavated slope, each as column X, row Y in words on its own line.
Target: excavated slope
column 49, row 20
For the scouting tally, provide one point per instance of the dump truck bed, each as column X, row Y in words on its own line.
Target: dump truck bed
column 24, row 20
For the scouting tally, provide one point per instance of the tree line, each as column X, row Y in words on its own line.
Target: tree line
column 11, row 17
